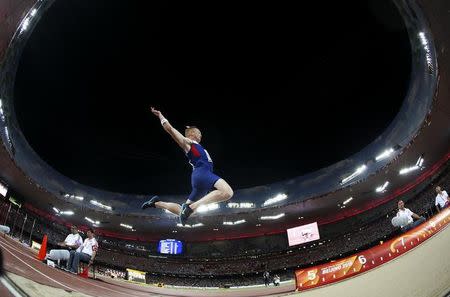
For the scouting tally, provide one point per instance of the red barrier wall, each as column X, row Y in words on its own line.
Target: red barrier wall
column 339, row 270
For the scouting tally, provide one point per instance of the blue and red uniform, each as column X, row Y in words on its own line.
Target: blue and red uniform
column 202, row 178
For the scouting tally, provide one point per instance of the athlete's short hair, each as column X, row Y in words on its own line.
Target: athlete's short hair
column 190, row 128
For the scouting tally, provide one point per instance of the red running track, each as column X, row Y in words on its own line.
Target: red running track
column 21, row 260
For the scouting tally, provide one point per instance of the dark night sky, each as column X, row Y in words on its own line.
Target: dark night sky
column 278, row 90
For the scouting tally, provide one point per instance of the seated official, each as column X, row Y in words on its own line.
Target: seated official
column 404, row 218
column 276, row 280
column 85, row 253
column 72, row 242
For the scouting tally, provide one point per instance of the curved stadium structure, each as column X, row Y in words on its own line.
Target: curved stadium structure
column 235, row 243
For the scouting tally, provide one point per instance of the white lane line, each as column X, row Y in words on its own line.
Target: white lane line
column 5, row 242
column 54, row 280
column 78, row 278
column 10, row 288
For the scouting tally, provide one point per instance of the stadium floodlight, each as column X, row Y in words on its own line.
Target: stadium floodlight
column 92, row 221
column 426, row 47
column 275, row 199
column 81, row 198
column 419, row 165
column 7, row 134
column 384, row 154
column 422, row 38
column 419, row 162
column 101, row 205
column 64, row 213
column 275, row 217
column 208, row 207
column 190, row 226
column 234, row 223
column 347, row 201
column 361, row 169
column 33, row 12
column 382, row 188
column 357, row 172
column 126, row 226
column 408, row 169
column 240, row 205
column 67, row 213
column 25, row 24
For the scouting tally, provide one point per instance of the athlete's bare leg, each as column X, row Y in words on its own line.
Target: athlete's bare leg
column 174, row 208
column 222, row 193
column 155, row 202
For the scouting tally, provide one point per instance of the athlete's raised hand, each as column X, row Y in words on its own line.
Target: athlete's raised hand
column 156, row 112
column 182, row 141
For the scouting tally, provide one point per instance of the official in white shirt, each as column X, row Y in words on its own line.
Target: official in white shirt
column 85, row 252
column 73, row 240
column 276, row 280
column 441, row 200
column 406, row 215
column 69, row 245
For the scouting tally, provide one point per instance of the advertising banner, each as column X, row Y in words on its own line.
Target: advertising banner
column 365, row 260
column 303, row 234
column 136, row 275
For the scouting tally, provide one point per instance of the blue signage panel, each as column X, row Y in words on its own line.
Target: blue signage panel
column 170, row 246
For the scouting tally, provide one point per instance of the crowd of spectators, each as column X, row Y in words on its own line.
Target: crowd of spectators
column 110, row 272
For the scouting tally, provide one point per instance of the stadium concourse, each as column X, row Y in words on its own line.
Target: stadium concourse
column 424, row 271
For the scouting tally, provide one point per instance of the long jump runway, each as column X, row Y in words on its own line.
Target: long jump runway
column 21, row 260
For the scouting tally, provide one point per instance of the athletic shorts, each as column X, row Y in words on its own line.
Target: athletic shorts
column 202, row 181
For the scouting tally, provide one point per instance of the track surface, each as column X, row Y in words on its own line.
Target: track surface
column 21, row 260
column 422, row 272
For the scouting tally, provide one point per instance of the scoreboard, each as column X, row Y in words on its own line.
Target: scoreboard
column 170, row 246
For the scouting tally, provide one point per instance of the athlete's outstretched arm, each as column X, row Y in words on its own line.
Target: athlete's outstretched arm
column 182, row 141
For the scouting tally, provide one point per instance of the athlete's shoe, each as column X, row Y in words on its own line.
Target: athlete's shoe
column 150, row 203
column 186, row 211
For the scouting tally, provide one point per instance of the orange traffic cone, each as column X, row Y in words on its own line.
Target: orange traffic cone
column 43, row 249
column 85, row 272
